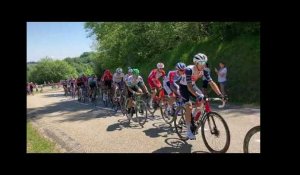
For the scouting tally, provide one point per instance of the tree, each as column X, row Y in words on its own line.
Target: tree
column 48, row 70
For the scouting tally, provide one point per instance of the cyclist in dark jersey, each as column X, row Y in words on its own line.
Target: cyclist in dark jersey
column 189, row 88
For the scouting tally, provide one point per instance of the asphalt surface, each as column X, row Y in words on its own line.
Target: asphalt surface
column 85, row 128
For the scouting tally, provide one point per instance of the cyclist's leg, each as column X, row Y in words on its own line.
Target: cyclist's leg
column 130, row 101
column 188, row 110
column 166, row 86
column 153, row 92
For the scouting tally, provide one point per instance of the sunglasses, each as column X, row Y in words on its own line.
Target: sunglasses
column 202, row 63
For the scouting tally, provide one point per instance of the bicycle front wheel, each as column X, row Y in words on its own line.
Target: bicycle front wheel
column 215, row 133
column 166, row 115
column 179, row 122
column 141, row 112
column 252, row 140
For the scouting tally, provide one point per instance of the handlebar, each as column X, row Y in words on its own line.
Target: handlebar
column 218, row 99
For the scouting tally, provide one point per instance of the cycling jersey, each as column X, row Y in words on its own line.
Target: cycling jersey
column 118, row 77
column 191, row 76
column 126, row 77
column 155, row 74
column 153, row 78
column 172, row 77
column 132, row 82
column 107, row 76
column 169, row 82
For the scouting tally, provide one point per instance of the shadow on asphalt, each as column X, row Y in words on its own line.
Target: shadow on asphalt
column 77, row 111
column 161, row 129
column 123, row 123
column 175, row 146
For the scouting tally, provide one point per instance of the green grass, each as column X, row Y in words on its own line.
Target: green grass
column 36, row 143
column 241, row 56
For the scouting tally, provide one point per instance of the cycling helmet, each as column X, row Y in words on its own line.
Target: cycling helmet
column 119, row 70
column 130, row 70
column 200, row 58
column 135, row 72
column 160, row 65
column 180, row 66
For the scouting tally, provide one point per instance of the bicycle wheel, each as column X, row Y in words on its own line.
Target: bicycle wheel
column 141, row 112
column 128, row 114
column 179, row 122
column 154, row 107
column 252, row 140
column 215, row 133
column 166, row 115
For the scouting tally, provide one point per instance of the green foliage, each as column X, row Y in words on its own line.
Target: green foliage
column 143, row 44
column 51, row 70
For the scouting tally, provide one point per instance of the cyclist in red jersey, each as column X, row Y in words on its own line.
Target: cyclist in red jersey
column 153, row 80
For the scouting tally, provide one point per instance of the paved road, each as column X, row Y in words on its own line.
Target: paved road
column 77, row 127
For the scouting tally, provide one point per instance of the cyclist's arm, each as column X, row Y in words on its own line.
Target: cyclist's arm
column 191, row 89
column 132, row 91
column 145, row 88
column 214, row 86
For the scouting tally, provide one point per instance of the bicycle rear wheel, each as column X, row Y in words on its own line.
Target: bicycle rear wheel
column 252, row 140
column 141, row 112
column 215, row 133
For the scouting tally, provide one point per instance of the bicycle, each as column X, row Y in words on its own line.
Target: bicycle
column 250, row 144
column 159, row 101
column 83, row 94
column 93, row 95
column 119, row 101
column 139, row 109
column 73, row 92
column 206, row 120
column 168, row 116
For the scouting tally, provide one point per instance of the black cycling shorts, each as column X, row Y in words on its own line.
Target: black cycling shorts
column 205, row 83
column 107, row 83
column 135, row 88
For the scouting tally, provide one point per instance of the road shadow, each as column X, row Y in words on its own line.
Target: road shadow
column 200, row 152
column 153, row 117
column 72, row 110
column 53, row 95
column 175, row 146
column 160, row 128
column 123, row 123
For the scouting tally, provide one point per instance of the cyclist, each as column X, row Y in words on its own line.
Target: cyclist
column 92, row 81
column 170, row 86
column 107, row 78
column 153, row 81
column 118, row 79
column 135, row 85
column 65, row 86
column 188, row 87
column 125, row 79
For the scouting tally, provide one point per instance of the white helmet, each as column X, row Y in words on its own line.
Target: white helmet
column 160, row 65
column 119, row 70
column 200, row 58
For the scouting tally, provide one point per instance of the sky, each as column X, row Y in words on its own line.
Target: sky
column 56, row 40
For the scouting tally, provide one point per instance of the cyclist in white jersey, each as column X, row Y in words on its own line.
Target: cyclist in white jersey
column 135, row 85
column 118, row 80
